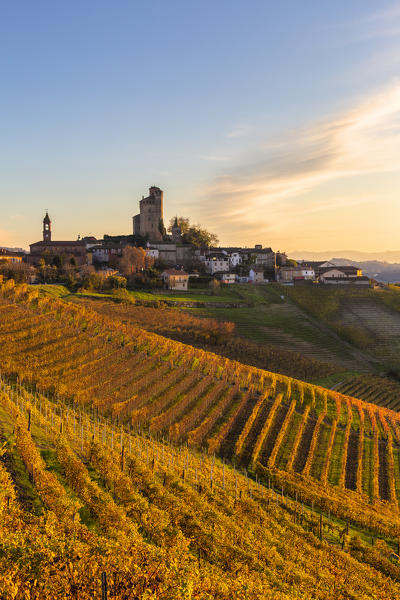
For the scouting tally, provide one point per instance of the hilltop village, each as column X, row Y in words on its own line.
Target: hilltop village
column 151, row 257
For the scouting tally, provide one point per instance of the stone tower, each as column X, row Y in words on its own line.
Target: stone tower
column 47, row 228
column 149, row 222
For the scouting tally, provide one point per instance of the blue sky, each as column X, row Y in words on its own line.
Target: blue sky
column 267, row 122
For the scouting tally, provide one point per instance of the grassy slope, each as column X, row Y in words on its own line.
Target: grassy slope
column 282, row 324
column 368, row 319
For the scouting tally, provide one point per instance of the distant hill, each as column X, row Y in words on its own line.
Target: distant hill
column 390, row 256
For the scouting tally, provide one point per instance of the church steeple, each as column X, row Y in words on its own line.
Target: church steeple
column 176, row 232
column 47, row 228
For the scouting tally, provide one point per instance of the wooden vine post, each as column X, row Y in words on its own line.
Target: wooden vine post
column 104, row 587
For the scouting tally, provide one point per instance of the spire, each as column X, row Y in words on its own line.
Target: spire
column 176, row 232
column 46, row 228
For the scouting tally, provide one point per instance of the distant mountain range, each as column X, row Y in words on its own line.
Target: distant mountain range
column 390, row 256
column 381, row 270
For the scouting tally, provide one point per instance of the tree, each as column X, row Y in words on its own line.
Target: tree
column 115, row 282
column 134, row 260
column 58, row 261
column 291, row 262
column 183, row 223
column 199, row 237
column 20, row 272
column 194, row 234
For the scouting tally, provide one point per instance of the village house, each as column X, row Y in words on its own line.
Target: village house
column 339, row 273
column 216, row 263
column 235, row 259
column 172, row 253
column 227, row 278
column 256, row 274
column 175, row 280
column 265, row 257
column 307, row 273
column 288, row 273
column 300, row 272
column 346, row 275
column 102, row 254
column 10, row 256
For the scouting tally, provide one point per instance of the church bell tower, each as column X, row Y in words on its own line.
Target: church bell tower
column 47, row 228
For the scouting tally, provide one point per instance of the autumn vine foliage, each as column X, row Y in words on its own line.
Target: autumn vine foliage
column 159, row 520
column 121, row 435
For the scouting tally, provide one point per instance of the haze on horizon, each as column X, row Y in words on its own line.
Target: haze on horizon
column 272, row 123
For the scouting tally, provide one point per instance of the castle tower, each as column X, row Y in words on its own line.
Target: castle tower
column 47, row 228
column 150, row 220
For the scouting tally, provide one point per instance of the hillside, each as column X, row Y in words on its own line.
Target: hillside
column 92, row 510
column 368, row 319
column 85, row 375
column 269, row 332
column 249, row 415
column 214, row 334
column 378, row 390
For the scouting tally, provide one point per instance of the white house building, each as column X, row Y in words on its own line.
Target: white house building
column 235, row 259
column 307, row 272
column 217, row 263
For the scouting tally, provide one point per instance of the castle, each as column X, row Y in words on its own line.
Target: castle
column 149, row 222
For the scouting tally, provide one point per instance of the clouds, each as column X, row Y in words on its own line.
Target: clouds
column 239, row 131
column 378, row 25
column 283, row 172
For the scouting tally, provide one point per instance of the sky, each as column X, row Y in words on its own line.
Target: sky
column 267, row 122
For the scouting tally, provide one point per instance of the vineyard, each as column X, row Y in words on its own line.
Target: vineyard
column 90, row 509
column 181, row 472
column 216, row 335
column 378, row 390
column 368, row 319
